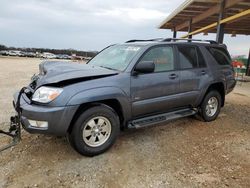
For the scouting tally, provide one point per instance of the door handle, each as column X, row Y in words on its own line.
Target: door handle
column 173, row 76
column 203, row 72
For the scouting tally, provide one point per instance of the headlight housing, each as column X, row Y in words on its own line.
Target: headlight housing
column 46, row 94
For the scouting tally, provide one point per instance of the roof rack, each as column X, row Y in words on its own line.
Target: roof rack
column 172, row 39
column 147, row 40
column 189, row 40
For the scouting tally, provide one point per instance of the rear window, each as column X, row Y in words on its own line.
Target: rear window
column 220, row 55
column 190, row 57
column 201, row 60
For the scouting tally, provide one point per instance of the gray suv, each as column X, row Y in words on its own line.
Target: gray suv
column 126, row 86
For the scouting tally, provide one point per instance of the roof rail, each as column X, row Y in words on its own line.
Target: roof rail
column 189, row 40
column 147, row 40
column 172, row 39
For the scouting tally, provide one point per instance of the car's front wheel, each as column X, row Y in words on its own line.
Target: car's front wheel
column 94, row 131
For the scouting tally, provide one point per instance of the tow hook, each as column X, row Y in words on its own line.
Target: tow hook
column 14, row 132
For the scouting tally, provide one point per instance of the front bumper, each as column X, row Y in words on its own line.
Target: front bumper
column 58, row 118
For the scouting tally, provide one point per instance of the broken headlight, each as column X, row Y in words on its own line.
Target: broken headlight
column 46, row 94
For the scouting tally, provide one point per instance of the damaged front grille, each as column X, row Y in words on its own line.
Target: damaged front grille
column 28, row 92
column 34, row 80
column 33, row 85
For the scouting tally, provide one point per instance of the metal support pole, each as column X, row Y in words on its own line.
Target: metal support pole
column 248, row 64
column 174, row 33
column 190, row 28
column 220, row 27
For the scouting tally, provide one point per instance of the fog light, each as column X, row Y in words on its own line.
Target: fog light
column 38, row 124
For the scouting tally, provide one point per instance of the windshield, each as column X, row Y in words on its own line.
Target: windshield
column 115, row 57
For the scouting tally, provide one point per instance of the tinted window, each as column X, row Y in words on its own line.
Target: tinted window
column 201, row 61
column 188, row 57
column 220, row 55
column 162, row 57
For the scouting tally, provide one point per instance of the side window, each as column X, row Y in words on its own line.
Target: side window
column 163, row 58
column 220, row 55
column 188, row 57
column 201, row 61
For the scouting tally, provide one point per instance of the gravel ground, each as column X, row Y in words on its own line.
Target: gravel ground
column 183, row 153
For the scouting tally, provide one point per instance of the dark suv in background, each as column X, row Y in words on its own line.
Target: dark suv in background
column 131, row 85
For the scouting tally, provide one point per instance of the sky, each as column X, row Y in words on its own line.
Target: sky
column 91, row 24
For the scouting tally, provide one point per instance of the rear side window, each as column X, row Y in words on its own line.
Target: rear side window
column 220, row 55
column 188, row 57
column 201, row 60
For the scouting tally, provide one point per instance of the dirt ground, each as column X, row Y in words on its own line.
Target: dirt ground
column 183, row 153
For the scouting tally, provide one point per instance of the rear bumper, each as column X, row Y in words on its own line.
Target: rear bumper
column 230, row 86
column 58, row 118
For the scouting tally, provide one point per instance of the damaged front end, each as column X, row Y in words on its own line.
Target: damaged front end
column 51, row 75
column 14, row 130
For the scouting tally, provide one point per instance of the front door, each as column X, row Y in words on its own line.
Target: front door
column 153, row 93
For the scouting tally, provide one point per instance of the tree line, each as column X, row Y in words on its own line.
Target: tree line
column 54, row 51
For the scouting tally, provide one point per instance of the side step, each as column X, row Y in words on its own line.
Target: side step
column 151, row 120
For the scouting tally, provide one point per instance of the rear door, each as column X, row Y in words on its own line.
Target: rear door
column 155, row 92
column 193, row 73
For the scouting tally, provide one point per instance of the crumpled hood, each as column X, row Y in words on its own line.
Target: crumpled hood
column 54, row 72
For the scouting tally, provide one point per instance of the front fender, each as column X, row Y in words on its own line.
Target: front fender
column 100, row 94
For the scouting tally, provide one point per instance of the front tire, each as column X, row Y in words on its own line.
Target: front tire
column 211, row 105
column 95, row 131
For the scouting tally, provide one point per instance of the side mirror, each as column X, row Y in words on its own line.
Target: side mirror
column 145, row 67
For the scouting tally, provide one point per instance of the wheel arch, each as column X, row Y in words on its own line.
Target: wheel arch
column 112, row 104
column 218, row 86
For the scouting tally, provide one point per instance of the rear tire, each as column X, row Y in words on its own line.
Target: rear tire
column 95, row 131
column 210, row 106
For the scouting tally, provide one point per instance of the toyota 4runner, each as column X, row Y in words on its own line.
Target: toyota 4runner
column 126, row 86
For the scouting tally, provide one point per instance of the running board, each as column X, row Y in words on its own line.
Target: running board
column 152, row 120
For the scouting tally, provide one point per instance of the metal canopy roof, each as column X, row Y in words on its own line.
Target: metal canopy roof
column 204, row 15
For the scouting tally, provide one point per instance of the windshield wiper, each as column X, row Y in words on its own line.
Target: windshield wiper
column 109, row 68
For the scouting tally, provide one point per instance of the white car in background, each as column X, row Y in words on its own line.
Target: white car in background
column 15, row 53
column 48, row 55
column 4, row 52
